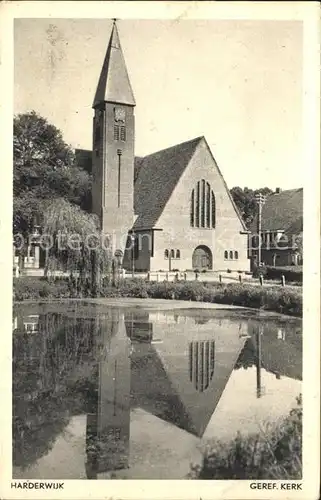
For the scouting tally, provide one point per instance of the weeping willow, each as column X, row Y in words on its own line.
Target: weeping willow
column 73, row 239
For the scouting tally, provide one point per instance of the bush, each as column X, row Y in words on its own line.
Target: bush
column 291, row 273
column 259, row 270
column 273, row 453
column 36, row 288
column 275, row 298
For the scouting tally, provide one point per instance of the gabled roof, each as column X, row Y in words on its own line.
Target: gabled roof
column 155, row 390
column 152, row 390
column 245, row 229
column 283, row 211
column 156, row 177
column 114, row 84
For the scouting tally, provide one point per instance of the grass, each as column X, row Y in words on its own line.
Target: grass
column 273, row 453
column 269, row 298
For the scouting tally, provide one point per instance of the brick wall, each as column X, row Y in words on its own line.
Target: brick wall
column 177, row 232
column 116, row 220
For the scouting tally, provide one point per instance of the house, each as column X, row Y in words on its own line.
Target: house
column 281, row 229
column 168, row 210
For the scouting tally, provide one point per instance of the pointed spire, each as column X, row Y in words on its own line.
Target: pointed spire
column 114, row 84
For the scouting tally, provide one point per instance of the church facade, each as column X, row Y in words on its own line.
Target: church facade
column 170, row 210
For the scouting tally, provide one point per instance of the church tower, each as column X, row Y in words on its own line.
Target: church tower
column 113, row 146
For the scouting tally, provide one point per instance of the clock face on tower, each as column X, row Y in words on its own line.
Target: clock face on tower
column 119, row 114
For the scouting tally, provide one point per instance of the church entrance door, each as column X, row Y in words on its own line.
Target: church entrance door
column 202, row 258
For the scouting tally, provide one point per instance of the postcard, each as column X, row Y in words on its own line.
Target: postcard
column 160, row 228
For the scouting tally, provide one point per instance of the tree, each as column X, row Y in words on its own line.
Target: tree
column 44, row 169
column 75, row 243
column 245, row 201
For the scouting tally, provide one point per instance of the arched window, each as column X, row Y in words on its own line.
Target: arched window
column 197, row 206
column 208, row 205
column 192, row 208
column 213, row 211
column 231, row 254
column 202, row 206
column 173, row 254
column 236, row 254
column 226, row 254
column 166, row 254
column 203, row 203
column 178, row 254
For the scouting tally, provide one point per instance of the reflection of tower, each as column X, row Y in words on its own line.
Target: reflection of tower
column 201, row 363
column 138, row 327
column 107, row 437
column 258, row 362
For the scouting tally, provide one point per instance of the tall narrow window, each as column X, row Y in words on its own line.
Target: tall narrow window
column 192, row 208
column 116, row 132
column 213, row 211
column 166, row 254
column 208, row 205
column 197, row 214
column 231, row 255
column 119, row 153
column 226, row 255
column 236, row 255
column 178, row 254
column 172, row 254
column 123, row 133
column 203, row 204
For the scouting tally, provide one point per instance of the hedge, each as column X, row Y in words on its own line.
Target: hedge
column 270, row 298
column 291, row 273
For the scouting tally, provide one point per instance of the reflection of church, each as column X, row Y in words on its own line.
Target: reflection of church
column 134, row 372
column 201, row 363
column 173, row 369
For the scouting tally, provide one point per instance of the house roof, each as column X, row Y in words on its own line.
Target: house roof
column 114, row 84
column 282, row 211
column 156, row 177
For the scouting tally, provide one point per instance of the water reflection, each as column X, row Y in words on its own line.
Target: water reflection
column 107, row 430
column 201, row 363
column 104, row 366
column 258, row 362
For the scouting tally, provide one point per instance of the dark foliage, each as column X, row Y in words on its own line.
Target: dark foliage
column 44, row 167
column 244, row 199
column 273, row 453
column 273, row 298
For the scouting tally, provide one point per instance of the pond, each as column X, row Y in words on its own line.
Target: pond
column 108, row 391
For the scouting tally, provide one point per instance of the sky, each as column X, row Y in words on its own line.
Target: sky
column 237, row 82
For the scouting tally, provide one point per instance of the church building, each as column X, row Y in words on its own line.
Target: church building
column 170, row 210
